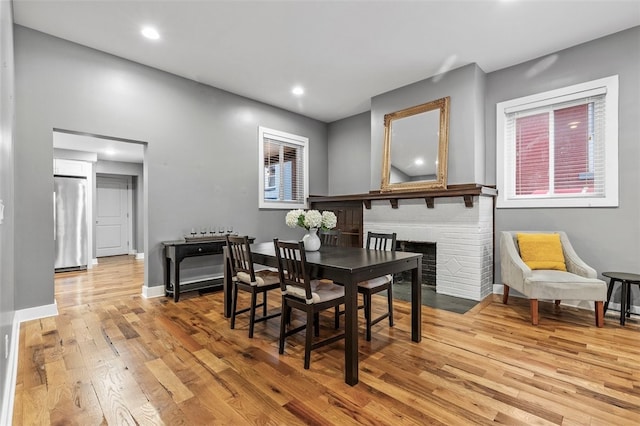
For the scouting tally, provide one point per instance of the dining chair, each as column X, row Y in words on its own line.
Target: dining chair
column 378, row 241
column 245, row 278
column 330, row 237
column 302, row 293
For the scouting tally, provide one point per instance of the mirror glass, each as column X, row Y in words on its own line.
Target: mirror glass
column 416, row 147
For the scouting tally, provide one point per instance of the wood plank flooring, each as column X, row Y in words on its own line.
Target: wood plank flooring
column 113, row 357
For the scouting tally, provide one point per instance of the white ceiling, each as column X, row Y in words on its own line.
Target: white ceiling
column 342, row 52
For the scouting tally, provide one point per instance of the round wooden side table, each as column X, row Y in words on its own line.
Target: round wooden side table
column 625, row 279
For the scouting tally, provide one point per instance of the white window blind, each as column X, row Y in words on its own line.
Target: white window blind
column 559, row 148
column 283, row 169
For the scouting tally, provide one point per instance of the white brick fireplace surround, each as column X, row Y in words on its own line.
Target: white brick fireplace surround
column 463, row 237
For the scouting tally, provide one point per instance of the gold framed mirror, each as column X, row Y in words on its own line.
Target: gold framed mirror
column 416, row 146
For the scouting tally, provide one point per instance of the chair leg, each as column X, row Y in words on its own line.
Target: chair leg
column 316, row 324
column 390, row 303
column 264, row 303
column 284, row 318
column 599, row 314
column 235, row 306
column 252, row 312
column 505, row 294
column 557, row 302
column 534, row 311
column 367, row 315
column 307, row 341
column 337, row 317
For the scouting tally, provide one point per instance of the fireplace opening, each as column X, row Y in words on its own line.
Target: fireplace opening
column 428, row 251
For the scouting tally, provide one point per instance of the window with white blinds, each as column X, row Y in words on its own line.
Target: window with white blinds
column 559, row 148
column 283, row 169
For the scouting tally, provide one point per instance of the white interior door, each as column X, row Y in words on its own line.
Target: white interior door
column 112, row 216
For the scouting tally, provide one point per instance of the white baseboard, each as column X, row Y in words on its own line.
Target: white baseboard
column 37, row 312
column 499, row 289
column 94, row 261
column 139, row 256
column 6, row 414
column 155, row 291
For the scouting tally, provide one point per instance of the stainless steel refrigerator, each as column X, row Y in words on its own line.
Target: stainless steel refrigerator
column 70, row 222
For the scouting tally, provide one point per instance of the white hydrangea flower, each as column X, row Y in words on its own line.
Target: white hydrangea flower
column 312, row 219
column 329, row 219
column 292, row 218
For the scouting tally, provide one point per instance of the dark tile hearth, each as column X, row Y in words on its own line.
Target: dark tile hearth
column 402, row 291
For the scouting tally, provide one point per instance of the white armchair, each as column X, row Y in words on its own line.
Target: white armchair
column 579, row 282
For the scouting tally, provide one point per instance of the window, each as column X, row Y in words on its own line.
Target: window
column 284, row 164
column 559, row 148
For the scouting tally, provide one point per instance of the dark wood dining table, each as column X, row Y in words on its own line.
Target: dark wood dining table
column 349, row 266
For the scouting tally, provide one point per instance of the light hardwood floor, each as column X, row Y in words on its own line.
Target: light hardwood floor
column 113, row 357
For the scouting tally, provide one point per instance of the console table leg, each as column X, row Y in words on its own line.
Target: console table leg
column 167, row 276
column 176, row 282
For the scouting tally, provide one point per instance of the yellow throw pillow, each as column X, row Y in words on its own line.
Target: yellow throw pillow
column 542, row 251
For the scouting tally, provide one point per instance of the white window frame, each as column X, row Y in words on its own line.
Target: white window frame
column 607, row 85
column 289, row 138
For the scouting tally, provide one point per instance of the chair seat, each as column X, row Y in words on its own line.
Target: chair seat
column 322, row 291
column 264, row 277
column 559, row 285
column 376, row 282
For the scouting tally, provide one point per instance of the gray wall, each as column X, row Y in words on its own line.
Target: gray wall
column 349, row 155
column 201, row 161
column 465, row 86
column 6, row 195
column 608, row 239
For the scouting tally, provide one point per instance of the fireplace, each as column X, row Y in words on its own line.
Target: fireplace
column 461, row 231
column 428, row 251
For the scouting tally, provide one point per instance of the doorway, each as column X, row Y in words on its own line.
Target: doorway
column 118, row 227
column 113, row 215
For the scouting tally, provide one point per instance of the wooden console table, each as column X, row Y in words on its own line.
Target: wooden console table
column 176, row 251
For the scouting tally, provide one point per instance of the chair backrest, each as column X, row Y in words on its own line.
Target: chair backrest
column 330, row 237
column 292, row 267
column 379, row 241
column 239, row 252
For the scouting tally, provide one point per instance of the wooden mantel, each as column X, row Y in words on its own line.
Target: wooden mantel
column 466, row 191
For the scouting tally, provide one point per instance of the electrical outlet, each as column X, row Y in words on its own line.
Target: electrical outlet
column 6, row 346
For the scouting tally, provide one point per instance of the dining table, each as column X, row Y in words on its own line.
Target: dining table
column 348, row 266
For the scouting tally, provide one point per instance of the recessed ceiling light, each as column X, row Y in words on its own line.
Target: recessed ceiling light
column 298, row 90
column 150, row 33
